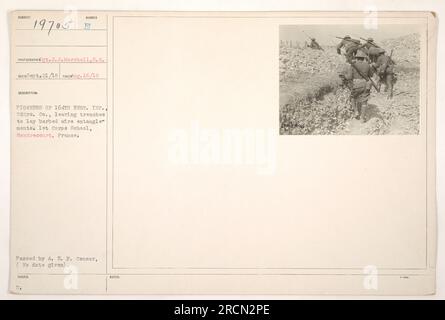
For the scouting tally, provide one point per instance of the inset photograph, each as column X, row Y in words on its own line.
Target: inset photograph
column 349, row 80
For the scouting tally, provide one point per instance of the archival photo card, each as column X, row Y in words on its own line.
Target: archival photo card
column 223, row 152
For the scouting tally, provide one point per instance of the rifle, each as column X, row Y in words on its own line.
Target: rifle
column 370, row 42
column 350, row 40
column 390, row 58
column 365, row 77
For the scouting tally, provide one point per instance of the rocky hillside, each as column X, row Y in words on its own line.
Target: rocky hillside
column 312, row 100
column 406, row 50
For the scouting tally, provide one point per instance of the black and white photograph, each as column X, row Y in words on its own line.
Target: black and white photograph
column 349, row 80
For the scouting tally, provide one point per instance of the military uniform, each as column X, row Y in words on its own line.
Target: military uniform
column 367, row 46
column 314, row 44
column 385, row 70
column 373, row 53
column 360, row 87
column 350, row 46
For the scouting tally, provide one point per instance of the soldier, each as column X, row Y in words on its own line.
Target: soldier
column 350, row 45
column 373, row 54
column 368, row 45
column 359, row 75
column 385, row 71
column 314, row 44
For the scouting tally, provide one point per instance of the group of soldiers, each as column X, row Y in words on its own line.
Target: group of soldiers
column 367, row 61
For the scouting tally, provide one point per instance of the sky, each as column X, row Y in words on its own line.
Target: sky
column 325, row 34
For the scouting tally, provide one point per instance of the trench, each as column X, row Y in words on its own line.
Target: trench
column 318, row 106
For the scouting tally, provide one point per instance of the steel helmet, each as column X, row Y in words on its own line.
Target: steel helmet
column 370, row 39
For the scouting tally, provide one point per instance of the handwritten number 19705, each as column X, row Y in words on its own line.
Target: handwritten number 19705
column 44, row 24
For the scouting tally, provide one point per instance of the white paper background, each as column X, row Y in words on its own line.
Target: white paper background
column 211, row 5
